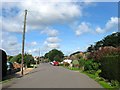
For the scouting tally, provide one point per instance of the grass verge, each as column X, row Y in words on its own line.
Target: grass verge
column 98, row 79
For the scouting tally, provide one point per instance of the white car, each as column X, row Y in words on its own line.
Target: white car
column 67, row 61
column 51, row 63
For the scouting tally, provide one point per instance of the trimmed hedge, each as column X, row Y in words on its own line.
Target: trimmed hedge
column 110, row 66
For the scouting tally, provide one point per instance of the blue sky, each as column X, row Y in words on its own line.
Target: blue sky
column 68, row 27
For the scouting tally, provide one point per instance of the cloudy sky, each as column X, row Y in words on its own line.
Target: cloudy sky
column 68, row 26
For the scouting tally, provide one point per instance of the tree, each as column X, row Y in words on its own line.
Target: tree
column 90, row 48
column 46, row 55
column 9, row 58
column 17, row 59
column 28, row 59
column 112, row 40
column 54, row 55
column 98, row 45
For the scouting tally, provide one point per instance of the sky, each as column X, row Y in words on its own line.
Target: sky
column 66, row 26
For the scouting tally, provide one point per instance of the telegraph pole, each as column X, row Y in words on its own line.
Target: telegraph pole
column 39, row 56
column 23, row 42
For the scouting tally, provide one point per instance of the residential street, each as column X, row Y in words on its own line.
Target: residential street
column 48, row 76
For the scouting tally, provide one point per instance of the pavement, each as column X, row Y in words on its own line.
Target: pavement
column 48, row 76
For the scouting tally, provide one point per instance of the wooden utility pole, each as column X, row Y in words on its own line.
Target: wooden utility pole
column 39, row 57
column 23, row 42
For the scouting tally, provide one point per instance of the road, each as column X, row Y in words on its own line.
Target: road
column 48, row 76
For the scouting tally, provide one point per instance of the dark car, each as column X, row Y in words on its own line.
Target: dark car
column 10, row 67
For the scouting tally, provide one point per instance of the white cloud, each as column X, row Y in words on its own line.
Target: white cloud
column 33, row 51
column 10, row 44
column 83, row 28
column 11, row 26
column 99, row 30
column 111, row 25
column 50, row 32
column 53, row 45
column 53, row 39
column 33, row 43
column 40, row 14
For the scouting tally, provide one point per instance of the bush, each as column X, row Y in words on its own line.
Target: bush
column 110, row 66
column 88, row 65
column 104, row 51
column 66, row 64
column 115, row 83
column 75, row 63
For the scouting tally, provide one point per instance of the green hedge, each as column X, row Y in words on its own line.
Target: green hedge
column 110, row 66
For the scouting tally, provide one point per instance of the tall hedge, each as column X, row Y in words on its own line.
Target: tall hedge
column 3, row 60
column 110, row 66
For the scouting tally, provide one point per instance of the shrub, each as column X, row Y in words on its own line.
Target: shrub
column 115, row 83
column 104, row 51
column 75, row 63
column 91, row 66
column 66, row 64
column 88, row 65
column 110, row 66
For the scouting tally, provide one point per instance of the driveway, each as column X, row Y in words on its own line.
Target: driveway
column 48, row 76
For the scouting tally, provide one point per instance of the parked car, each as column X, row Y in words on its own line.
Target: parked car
column 10, row 67
column 55, row 63
column 51, row 63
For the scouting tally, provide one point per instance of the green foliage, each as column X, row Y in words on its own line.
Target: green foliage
column 28, row 59
column 110, row 66
column 82, row 62
column 90, row 48
column 115, row 83
column 75, row 63
column 110, row 40
column 54, row 55
column 46, row 55
column 9, row 58
column 89, row 65
column 16, row 58
column 66, row 64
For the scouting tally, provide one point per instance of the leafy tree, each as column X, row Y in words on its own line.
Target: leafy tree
column 9, row 58
column 28, row 59
column 98, row 44
column 112, row 40
column 46, row 55
column 90, row 49
column 54, row 55
column 17, row 58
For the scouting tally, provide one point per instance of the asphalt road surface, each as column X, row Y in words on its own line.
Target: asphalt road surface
column 48, row 76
